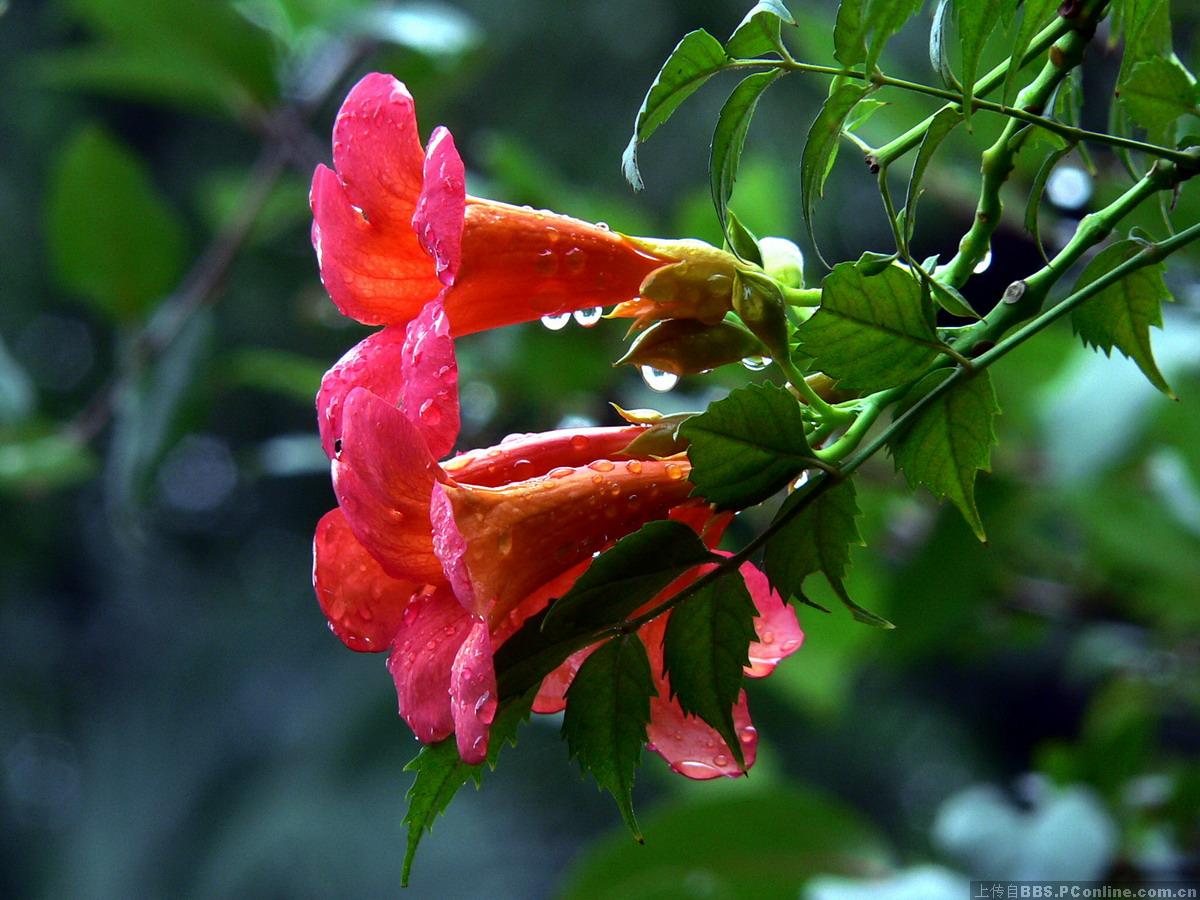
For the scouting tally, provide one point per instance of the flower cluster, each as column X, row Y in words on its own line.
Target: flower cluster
column 439, row 563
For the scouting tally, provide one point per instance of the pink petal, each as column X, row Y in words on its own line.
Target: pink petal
column 383, row 479
column 377, row 149
column 552, row 695
column 371, row 262
column 687, row 743
column 442, row 206
column 779, row 634
column 691, row 747
column 431, row 634
column 375, row 364
column 473, row 694
column 451, row 549
column 429, row 379
column 364, row 605
column 525, row 456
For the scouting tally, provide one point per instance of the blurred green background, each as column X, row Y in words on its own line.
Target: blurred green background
column 178, row 721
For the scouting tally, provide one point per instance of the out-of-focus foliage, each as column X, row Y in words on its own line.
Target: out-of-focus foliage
column 177, row 718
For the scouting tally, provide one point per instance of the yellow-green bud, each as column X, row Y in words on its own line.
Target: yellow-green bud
column 688, row 346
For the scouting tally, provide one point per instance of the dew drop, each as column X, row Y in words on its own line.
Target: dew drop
column 504, row 543
column 603, row 226
column 556, row 322
column 634, row 467
column 430, row 414
column 985, row 262
column 431, row 644
column 597, row 479
column 657, row 379
column 747, row 734
column 720, row 760
column 602, row 465
column 789, row 646
column 767, row 637
column 590, row 316
column 580, row 442
column 546, row 263
column 560, row 472
column 756, row 363
column 674, row 471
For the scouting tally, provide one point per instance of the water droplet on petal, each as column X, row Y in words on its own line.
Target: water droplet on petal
column 430, row 414
column 767, row 637
column 756, row 363
column 674, row 471
column 720, row 760
column 556, row 322
column 504, row 543
column 431, row 644
column 579, row 442
column 590, row 316
column 602, row 465
column 603, row 226
column 657, row 379
column 747, row 734
column 560, row 472
column 634, row 467
column 789, row 646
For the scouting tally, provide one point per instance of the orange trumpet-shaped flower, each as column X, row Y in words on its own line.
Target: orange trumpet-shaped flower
column 393, row 227
column 440, row 563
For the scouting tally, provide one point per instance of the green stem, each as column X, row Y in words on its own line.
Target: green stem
column 998, row 161
column 800, row 296
column 896, row 148
column 853, row 436
column 811, row 397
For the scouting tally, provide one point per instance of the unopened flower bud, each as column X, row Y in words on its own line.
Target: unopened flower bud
column 759, row 305
column 783, row 261
column 688, row 346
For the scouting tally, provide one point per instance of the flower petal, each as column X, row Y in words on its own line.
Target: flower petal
column 552, row 695
column 779, row 634
column 521, row 535
column 441, row 208
column 364, row 605
column 525, row 456
column 689, row 745
column 451, row 549
column 383, row 478
column 429, row 379
column 371, row 262
column 520, row 264
column 373, row 363
column 432, row 631
column 473, row 694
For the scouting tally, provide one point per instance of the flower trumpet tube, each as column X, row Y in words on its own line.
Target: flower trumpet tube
column 393, row 227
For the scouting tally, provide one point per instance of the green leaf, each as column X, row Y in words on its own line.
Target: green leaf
column 729, row 137
column 626, row 576
column 817, row 539
column 871, row 331
column 949, row 441
column 863, row 110
column 943, row 123
column 440, row 772
column 746, row 446
column 705, row 649
column 856, row 19
column 1036, row 190
column 976, row 20
column 742, row 241
column 34, row 461
column 821, row 144
column 1157, row 92
column 1036, row 14
column 939, row 53
column 945, row 295
column 762, row 841
column 1145, row 26
column 758, row 33
column 694, row 60
column 1120, row 316
column 112, row 238
column 608, row 708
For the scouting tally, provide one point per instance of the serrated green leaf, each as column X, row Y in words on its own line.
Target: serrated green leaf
column 945, row 295
column 1036, row 14
column 627, row 575
column 694, row 60
column 1121, row 315
column 1145, row 26
column 976, row 20
column 949, row 441
column 746, row 446
column 729, row 137
column 886, row 17
column 608, row 708
column 705, row 649
column 850, row 32
column 112, row 238
column 440, row 772
column 817, row 539
column 871, row 331
column 1157, row 92
column 1036, row 189
column 758, row 32
column 821, row 144
column 943, row 123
